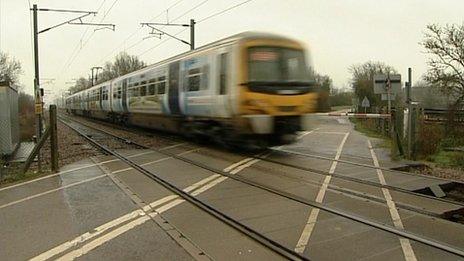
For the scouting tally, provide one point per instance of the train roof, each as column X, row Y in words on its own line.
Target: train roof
column 248, row 35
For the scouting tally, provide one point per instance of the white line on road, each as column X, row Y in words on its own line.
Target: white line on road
column 153, row 162
column 86, row 180
column 237, row 164
column 395, row 215
column 307, row 230
column 332, row 132
column 51, row 191
column 197, row 187
column 306, row 133
column 71, row 170
column 173, row 146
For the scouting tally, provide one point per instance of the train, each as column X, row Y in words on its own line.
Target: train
column 252, row 89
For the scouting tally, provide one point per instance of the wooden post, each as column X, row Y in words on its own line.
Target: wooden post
column 36, row 149
column 53, row 139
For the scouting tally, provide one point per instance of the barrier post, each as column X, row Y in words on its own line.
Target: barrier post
column 53, row 139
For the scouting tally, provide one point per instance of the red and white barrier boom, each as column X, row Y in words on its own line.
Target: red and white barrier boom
column 354, row 115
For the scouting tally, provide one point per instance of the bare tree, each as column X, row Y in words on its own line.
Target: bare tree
column 123, row 64
column 10, row 69
column 445, row 45
column 81, row 84
column 324, row 84
column 362, row 80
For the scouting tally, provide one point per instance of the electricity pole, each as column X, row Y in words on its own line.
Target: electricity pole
column 95, row 77
column 38, row 92
column 158, row 32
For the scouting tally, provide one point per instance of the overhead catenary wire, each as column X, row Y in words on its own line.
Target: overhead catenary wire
column 136, row 31
column 88, row 39
column 199, row 21
column 174, row 20
column 223, row 11
column 82, row 37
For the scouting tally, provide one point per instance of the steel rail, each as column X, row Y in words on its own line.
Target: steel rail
column 399, row 232
column 267, row 242
column 362, row 181
column 340, row 176
column 361, row 165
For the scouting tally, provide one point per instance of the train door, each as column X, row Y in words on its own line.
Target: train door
column 124, row 95
column 173, row 93
column 100, row 96
column 223, row 66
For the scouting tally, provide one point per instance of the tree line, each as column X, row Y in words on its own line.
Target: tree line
column 444, row 46
column 123, row 64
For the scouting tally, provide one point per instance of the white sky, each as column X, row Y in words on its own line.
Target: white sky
column 339, row 33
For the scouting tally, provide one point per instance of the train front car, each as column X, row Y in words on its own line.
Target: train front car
column 276, row 89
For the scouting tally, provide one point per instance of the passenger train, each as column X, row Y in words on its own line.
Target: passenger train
column 250, row 88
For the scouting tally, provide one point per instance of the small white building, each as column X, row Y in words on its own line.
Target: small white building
column 9, row 121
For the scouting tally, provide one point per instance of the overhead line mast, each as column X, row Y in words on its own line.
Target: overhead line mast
column 38, row 92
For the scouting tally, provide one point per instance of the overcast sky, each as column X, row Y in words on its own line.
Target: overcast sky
column 339, row 33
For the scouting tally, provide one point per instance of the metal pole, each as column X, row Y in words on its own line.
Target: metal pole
column 192, row 34
column 92, row 76
column 53, row 139
column 408, row 102
column 38, row 98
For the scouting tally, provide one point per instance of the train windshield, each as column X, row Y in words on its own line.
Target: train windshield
column 276, row 64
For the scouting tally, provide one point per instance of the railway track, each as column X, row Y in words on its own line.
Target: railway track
column 279, row 248
column 457, row 215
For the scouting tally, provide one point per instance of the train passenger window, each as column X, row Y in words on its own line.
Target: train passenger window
column 151, row 89
column 223, row 61
column 161, row 85
column 194, row 80
column 162, row 88
column 143, row 91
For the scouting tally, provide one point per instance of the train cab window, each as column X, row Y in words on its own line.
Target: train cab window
column 194, row 80
column 223, row 62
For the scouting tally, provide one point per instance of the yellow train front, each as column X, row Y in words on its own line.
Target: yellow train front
column 276, row 89
column 248, row 89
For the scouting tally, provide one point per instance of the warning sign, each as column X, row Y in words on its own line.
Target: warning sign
column 38, row 108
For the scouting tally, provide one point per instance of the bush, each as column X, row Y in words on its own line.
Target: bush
column 428, row 139
column 26, row 116
column 341, row 99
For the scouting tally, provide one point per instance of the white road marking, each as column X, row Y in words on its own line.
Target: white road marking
column 395, row 215
column 173, row 146
column 139, row 221
column 88, row 235
column 116, row 222
column 307, row 230
column 305, row 133
column 70, row 170
column 332, row 132
column 244, row 166
column 84, row 181
column 51, row 191
column 152, row 162
column 103, row 239
column 237, row 164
